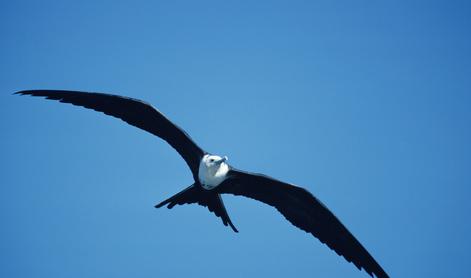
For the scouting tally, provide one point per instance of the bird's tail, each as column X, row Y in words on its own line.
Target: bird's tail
column 206, row 198
column 186, row 196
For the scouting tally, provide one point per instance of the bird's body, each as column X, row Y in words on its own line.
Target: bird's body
column 213, row 176
column 212, row 171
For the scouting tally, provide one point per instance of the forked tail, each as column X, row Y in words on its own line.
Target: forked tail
column 206, row 198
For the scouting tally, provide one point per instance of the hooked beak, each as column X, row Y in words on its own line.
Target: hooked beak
column 223, row 159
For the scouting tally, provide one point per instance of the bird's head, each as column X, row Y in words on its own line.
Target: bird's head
column 212, row 171
column 213, row 161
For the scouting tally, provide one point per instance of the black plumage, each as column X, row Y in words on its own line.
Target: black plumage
column 135, row 112
column 304, row 211
column 195, row 194
column 296, row 204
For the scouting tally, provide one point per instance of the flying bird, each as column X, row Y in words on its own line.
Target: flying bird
column 213, row 176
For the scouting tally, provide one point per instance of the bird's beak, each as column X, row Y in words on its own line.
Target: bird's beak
column 222, row 160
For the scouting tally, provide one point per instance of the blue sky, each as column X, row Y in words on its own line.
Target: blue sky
column 365, row 104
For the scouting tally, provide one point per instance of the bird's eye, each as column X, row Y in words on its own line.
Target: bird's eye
column 211, row 160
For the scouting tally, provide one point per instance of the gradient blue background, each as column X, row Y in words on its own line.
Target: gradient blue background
column 365, row 104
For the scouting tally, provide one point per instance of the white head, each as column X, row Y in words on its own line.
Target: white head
column 213, row 161
column 212, row 171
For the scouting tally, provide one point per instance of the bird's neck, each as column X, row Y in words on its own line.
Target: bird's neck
column 211, row 177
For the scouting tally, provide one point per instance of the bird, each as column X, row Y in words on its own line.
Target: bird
column 213, row 176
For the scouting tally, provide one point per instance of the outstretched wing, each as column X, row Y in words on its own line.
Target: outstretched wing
column 304, row 211
column 135, row 112
column 194, row 194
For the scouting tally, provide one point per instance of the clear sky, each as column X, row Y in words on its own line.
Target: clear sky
column 364, row 103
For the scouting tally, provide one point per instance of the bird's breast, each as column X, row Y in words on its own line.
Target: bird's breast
column 210, row 178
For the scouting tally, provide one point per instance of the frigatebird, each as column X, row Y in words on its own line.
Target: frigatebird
column 213, row 176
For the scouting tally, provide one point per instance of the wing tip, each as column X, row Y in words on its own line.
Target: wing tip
column 234, row 228
column 32, row 93
column 160, row 205
column 22, row 93
column 45, row 92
